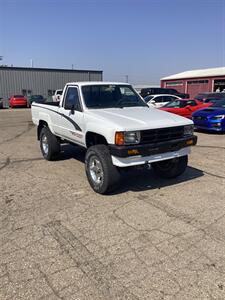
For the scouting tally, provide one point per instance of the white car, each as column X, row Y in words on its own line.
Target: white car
column 159, row 100
column 118, row 130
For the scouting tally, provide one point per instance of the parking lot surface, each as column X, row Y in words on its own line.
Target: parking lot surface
column 151, row 239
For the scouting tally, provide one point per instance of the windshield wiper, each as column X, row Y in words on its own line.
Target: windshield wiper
column 95, row 106
column 130, row 104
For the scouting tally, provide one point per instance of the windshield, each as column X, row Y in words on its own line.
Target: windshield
column 200, row 97
column 109, row 96
column 18, row 96
column 148, row 98
column 176, row 104
column 219, row 103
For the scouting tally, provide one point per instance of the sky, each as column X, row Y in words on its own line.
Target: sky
column 145, row 40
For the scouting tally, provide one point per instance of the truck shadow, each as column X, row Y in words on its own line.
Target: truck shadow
column 136, row 179
column 142, row 180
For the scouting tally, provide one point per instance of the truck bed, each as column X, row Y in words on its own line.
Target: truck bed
column 51, row 103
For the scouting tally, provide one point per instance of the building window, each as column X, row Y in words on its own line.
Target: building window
column 174, row 83
column 197, row 81
column 219, row 85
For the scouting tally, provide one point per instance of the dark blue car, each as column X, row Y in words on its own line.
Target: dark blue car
column 211, row 118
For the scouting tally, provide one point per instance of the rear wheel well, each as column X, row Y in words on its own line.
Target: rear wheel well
column 40, row 126
column 93, row 138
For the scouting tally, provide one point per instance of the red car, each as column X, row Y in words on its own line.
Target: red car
column 18, row 101
column 184, row 107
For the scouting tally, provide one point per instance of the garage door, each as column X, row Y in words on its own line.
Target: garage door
column 197, row 86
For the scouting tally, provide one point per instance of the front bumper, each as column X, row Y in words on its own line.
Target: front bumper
column 122, row 156
column 210, row 125
column 18, row 104
column 219, row 129
column 132, row 161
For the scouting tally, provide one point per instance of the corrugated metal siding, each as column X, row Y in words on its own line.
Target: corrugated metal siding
column 40, row 81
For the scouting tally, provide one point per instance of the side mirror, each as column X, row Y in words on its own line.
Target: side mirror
column 72, row 110
column 71, row 107
column 188, row 107
column 152, row 101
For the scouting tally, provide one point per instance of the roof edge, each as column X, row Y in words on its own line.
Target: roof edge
column 48, row 69
column 200, row 73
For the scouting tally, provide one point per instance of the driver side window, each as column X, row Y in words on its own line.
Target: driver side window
column 72, row 99
column 191, row 103
column 158, row 99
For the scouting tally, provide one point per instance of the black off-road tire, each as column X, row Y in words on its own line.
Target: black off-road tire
column 170, row 168
column 52, row 142
column 111, row 174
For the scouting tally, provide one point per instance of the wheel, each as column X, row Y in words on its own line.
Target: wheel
column 49, row 144
column 102, row 175
column 171, row 168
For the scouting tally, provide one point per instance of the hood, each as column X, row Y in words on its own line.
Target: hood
column 209, row 112
column 167, row 108
column 138, row 118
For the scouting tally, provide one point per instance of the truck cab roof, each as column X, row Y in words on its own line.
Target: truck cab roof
column 82, row 83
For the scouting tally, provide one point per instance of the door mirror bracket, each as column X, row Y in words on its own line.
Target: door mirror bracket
column 72, row 110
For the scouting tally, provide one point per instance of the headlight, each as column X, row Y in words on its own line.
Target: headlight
column 219, row 117
column 188, row 130
column 132, row 137
column 127, row 137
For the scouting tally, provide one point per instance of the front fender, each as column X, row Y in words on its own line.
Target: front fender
column 107, row 132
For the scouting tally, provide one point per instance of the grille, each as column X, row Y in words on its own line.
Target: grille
column 161, row 135
column 200, row 118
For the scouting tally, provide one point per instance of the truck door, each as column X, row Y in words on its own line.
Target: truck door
column 72, row 118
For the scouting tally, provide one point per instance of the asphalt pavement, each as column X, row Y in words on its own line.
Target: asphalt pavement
column 151, row 239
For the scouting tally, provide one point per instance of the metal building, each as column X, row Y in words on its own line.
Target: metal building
column 196, row 81
column 40, row 81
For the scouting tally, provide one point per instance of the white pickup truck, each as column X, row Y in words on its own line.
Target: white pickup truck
column 57, row 96
column 118, row 130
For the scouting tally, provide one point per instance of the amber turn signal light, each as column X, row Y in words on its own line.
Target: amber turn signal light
column 119, row 138
column 133, row 152
column 189, row 142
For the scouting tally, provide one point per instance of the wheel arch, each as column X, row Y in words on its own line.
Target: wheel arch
column 41, row 124
column 93, row 138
